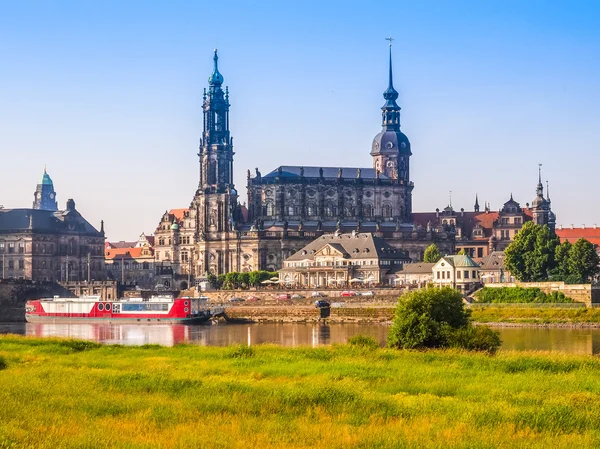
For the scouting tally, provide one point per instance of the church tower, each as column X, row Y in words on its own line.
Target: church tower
column 214, row 211
column 216, row 144
column 391, row 147
column 44, row 197
column 540, row 206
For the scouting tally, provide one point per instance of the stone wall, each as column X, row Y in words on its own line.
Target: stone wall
column 309, row 314
column 14, row 295
column 385, row 294
column 578, row 292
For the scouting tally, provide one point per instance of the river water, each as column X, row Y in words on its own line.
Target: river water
column 572, row 340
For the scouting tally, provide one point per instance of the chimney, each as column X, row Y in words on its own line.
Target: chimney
column 572, row 226
column 462, row 211
column 595, row 227
column 560, row 227
column 583, row 226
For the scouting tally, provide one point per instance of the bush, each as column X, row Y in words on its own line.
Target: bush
column 365, row 341
column 475, row 338
column 425, row 318
column 519, row 295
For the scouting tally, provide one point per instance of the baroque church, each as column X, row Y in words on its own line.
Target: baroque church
column 290, row 206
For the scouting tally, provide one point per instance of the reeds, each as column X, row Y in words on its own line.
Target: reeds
column 62, row 393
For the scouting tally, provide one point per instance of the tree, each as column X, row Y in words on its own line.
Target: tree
column 254, row 278
column 531, row 255
column 582, row 262
column 462, row 252
column 436, row 318
column 561, row 261
column 424, row 318
column 431, row 254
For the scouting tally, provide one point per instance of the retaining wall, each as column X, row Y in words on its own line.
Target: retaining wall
column 578, row 292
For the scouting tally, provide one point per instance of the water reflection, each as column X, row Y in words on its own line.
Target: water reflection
column 579, row 341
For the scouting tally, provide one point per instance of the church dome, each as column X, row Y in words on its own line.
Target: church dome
column 390, row 142
column 46, row 180
column 174, row 227
column 215, row 79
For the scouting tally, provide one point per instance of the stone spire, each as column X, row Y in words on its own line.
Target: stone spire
column 476, row 207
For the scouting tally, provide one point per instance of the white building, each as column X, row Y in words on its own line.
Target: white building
column 460, row 272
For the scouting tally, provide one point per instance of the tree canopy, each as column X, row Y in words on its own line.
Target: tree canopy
column 436, row 318
column 531, row 255
column 431, row 254
column 536, row 254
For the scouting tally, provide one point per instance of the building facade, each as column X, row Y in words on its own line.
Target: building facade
column 46, row 245
column 342, row 260
column 460, row 272
column 290, row 206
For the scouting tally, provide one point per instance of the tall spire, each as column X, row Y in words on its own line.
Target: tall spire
column 476, row 207
column 540, row 186
column 215, row 79
column 548, row 191
column 391, row 110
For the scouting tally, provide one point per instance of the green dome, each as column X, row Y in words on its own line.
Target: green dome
column 174, row 227
column 46, row 179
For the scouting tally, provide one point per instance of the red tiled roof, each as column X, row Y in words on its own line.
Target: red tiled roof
column 572, row 235
column 178, row 213
column 126, row 253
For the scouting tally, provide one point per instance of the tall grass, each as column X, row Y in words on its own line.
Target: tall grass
column 267, row 396
column 535, row 315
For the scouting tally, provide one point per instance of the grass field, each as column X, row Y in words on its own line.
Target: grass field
column 71, row 394
column 535, row 315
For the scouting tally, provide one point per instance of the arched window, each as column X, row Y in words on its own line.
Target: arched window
column 270, row 209
column 311, row 209
column 291, row 210
column 386, row 210
column 368, row 210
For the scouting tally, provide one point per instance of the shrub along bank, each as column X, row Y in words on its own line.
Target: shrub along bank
column 57, row 393
column 519, row 295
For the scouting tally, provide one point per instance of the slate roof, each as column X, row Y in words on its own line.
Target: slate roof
column 417, row 268
column 493, row 261
column 293, row 171
column 46, row 221
column 353, row 246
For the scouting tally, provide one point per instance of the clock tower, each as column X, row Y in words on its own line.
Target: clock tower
column 44, row 197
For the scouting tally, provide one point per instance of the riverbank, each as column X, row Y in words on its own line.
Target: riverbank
column 383, row 313
column 64, row 393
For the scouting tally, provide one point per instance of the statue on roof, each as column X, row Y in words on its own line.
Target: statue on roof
column 248, row 174
column 301, row 171
column 358, row 173
column 340, row 173
column 321, row 172
column 257, row 173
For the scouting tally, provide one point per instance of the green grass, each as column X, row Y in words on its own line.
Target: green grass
column 65, row 394
column 535, row 315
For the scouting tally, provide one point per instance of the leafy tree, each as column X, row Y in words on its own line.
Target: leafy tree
column 530, row 257
column 462, row 252
column 582, row 262
column 254, row 278
column 431, row 254
column 424, row 318
column 436, row 318
column 561, row 260
column 243, row 279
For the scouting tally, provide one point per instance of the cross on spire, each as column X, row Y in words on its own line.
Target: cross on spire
column 390, row 40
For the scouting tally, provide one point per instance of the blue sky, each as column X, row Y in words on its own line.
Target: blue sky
column 108, row 95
